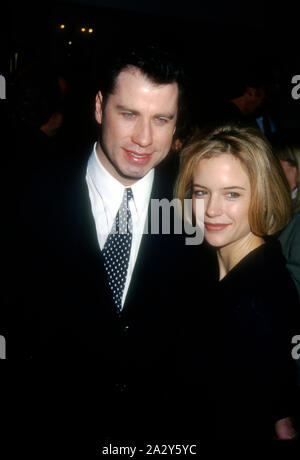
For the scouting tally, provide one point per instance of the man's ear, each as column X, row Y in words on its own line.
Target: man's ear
column 99, row 107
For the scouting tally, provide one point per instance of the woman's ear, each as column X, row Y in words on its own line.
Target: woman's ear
column 99, row 107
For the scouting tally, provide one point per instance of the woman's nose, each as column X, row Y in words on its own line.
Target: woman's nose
column 213, row 207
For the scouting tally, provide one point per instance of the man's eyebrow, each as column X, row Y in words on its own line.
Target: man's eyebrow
column 168, row 115
column 126, row 109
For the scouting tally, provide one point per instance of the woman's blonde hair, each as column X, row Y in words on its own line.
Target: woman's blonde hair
column 270, row 206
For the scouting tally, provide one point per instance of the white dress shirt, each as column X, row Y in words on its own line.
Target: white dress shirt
column 106, row 194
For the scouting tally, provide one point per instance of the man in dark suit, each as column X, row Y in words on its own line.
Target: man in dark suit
column 102, row 291
column 137, row 111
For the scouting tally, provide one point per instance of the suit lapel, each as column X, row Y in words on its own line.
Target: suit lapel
column 89, row 251
column 149, row 251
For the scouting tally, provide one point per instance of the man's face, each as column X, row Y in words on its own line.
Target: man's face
column 138, row 123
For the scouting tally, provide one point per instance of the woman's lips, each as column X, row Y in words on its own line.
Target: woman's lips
column 215, row 227
column 137, row 158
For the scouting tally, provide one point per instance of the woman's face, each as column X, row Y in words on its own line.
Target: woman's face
column 224, row 186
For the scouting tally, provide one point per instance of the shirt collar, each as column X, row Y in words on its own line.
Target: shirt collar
column 141, row 192
column 112, row 191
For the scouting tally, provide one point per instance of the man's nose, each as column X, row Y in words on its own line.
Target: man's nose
column 142, row 133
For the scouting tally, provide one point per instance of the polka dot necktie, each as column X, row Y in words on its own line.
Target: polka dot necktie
column 116, row 251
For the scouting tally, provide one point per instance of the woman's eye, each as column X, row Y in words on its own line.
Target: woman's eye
column 200, row 192
column 233, row 195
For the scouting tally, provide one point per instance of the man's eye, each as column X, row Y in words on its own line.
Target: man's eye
column 128, row 114
column 162, row 121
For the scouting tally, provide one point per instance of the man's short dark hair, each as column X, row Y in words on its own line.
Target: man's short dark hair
column 159, row 65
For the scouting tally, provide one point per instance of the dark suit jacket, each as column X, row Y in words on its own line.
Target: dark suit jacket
column 71, row 325
column 78, row 318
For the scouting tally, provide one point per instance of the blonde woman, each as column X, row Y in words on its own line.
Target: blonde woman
column 254, row 303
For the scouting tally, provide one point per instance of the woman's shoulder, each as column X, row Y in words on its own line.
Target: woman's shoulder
column 259, row 263
column 262, row 287
column 262, row 273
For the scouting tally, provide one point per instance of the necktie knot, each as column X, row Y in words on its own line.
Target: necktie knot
column 129, row 194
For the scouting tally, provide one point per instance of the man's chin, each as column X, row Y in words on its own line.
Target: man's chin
column 131, row 176
column 134, row 174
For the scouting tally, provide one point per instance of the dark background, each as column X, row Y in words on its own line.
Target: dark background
column 213, row 38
